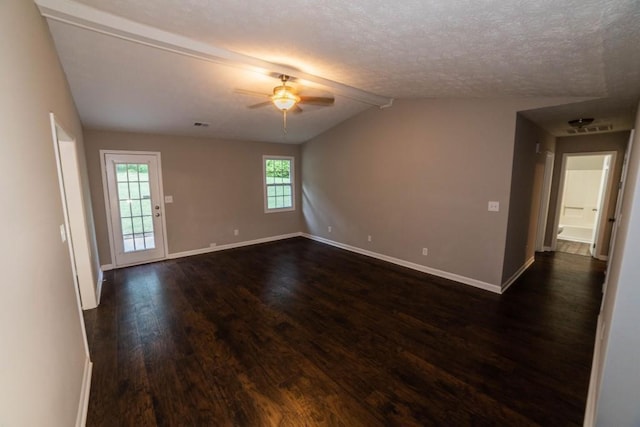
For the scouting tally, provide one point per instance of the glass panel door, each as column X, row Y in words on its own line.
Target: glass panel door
column 134, row 197
column 135, row 208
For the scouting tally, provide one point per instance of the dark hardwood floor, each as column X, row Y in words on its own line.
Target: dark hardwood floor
column 297, row 333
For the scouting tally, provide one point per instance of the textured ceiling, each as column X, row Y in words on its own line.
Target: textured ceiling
column 408, row 49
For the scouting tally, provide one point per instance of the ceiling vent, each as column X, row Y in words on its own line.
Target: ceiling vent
column 590, row 129
column 201, row 124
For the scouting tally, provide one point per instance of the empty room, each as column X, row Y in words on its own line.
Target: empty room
column 320, row 213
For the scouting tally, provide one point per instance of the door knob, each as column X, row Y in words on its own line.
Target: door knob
column 157, row 207
column 157, row 213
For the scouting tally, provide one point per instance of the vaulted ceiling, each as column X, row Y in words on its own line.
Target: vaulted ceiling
column 161, row 65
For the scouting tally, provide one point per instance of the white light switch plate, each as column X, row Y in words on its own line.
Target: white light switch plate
column 168, row 199
column 63, row 233
column 494, row 207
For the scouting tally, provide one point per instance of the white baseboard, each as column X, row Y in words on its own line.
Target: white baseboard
column 517, row 274
column 445, row 274
column 594, row 380
column 99, row 286
column 83, row 404
column 232, row 245
column 107, row 267
column 440, row 273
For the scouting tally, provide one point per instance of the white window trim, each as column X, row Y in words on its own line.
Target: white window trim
column 293, row 183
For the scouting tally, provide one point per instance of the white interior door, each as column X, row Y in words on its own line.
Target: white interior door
column 134, row 207
column 617, row 215
column 602, row 196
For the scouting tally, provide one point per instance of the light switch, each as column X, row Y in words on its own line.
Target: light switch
column 63, row 233
column 168, row 199
column 494, row 206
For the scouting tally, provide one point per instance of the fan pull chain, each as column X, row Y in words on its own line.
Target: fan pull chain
column 284, row 121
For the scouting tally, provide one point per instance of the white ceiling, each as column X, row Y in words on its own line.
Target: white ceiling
column 407, row 49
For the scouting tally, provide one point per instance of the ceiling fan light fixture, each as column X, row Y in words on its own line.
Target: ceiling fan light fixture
column 284, row 98
column 578, row 123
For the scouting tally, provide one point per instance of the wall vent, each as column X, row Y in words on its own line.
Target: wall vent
column 590, row 129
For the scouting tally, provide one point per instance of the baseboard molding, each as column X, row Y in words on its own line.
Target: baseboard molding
column 440, row 273
column 547, row 249
column 232, row 245
column 107, row 267
column 594, row 379
column 83, row 404
column 517, row 274
column 99, row 286
column 603, row 257
column 175, row 255
column 435, row 272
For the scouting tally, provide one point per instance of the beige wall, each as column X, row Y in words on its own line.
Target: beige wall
column 526, row 189
column 216, row 187
column 42, row 354
column 615, row 141
column 419, row 174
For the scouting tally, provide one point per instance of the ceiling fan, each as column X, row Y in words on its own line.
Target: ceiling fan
column 286, row 98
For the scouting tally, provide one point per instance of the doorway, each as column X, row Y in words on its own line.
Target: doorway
column 88, row 278
column 133, row 194
column 582, row 201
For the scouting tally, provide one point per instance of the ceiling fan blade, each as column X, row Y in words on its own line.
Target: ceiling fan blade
column 260, row 104
column 317, row 100
column 296, row 109
column 250, row 92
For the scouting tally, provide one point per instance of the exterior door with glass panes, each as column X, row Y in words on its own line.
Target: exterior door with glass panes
column 135, row 207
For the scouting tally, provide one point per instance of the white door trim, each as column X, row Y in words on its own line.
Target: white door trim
column 107, row 202
column 75, row 215
column 607, row 195
column 545, row 197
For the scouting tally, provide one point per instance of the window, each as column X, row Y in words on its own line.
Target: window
column 278, row 183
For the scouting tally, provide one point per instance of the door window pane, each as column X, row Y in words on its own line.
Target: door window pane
column 136, row 213
column 143, row 173
column 123, row 191
column 132, row 170
column 146, row 207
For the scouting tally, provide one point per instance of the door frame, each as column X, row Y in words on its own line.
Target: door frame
column 87, row 281
column 603, row 199
column 107, row 202
column 545, row 199
column 605, row 202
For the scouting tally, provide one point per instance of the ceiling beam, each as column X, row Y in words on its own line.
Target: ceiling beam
column 83, row 16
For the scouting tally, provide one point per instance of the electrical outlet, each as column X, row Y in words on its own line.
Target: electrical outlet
column 368, row 238
column 236, row 232
column 494, row 207
column 329, row 228
column 425, row 251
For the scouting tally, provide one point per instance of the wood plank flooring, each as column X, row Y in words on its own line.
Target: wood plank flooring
column 571, row 247
column 297, row 333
